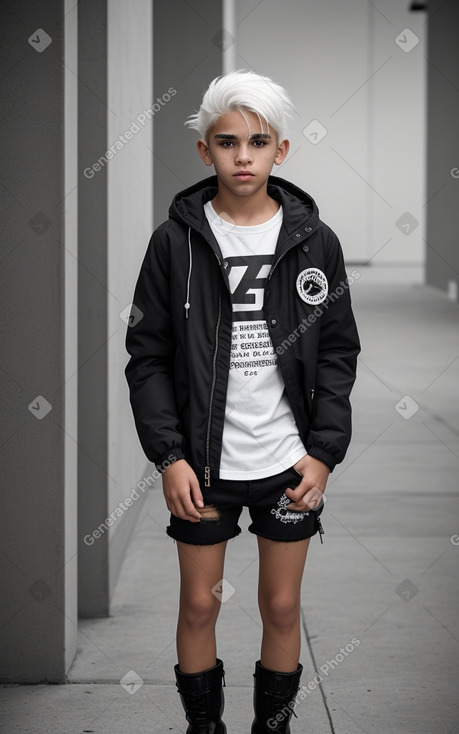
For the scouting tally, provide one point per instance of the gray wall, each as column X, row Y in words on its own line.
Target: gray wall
column 115, row 224
column 342, row 65
column 188, row 43
column 130, row 224
column 71, row 249
column 38, row 625
column 442, row 253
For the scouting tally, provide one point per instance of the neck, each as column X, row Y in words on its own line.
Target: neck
column 245, row 210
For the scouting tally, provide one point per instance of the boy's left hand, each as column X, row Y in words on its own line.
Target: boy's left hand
column 309, row 493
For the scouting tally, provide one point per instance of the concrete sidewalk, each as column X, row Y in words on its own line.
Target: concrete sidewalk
column 379, row 598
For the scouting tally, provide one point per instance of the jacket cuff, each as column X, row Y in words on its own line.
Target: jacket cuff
column 323, row 456
column 169, row 457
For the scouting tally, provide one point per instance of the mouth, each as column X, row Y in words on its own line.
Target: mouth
column 243, row 175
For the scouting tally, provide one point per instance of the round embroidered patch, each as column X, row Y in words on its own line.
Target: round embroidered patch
column 312, row 286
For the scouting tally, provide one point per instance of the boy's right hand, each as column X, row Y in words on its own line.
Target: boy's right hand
column 182, row 491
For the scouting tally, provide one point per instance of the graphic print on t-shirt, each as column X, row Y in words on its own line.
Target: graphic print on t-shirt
column 251, row 346
column 260, row 437
column 247, row 275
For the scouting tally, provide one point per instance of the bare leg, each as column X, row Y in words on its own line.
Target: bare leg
column 201, row 567
column 279, row 584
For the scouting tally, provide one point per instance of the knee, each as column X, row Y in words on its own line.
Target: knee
column 280, row 611
column 199, row 609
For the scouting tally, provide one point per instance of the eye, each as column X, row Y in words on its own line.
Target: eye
column 259, row 143
column 227, row 144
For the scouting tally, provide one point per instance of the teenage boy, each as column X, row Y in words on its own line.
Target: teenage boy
column 243, row 357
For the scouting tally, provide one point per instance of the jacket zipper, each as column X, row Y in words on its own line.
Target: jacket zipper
column 278, row 261
column 212, row 390
column 214, row 375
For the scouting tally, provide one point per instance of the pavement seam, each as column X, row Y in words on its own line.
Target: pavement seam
column 314, row 665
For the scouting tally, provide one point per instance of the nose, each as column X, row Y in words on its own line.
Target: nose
column 244, row 154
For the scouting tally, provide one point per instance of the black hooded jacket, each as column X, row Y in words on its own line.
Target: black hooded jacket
column 179, row 336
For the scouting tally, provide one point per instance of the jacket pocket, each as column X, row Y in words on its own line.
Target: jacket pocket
column 181, row 399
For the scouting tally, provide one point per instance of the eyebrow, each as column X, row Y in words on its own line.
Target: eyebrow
column 255, row 136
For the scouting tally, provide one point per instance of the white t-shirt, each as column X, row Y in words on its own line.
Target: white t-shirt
column 260, row 436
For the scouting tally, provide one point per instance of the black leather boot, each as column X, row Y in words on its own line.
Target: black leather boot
column 202, row 698
column 272, row 695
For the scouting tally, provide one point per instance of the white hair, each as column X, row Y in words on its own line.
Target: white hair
column 243, row 90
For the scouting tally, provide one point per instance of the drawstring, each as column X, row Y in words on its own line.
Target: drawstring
column 187, row 304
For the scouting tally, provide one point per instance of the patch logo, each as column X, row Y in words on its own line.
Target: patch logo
column 312, row 286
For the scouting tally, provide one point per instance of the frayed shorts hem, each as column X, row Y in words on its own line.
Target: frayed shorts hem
column 209, row 542
column 282, row 540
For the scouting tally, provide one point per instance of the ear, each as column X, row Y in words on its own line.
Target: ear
column 282, row 152
column 204, row 152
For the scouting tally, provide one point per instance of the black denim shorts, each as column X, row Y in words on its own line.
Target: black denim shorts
column 266, row 500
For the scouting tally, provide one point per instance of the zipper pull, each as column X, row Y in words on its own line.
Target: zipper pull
column 321, row 530
column 207, row 476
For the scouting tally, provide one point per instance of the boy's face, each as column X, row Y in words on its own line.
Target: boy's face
column 243, row 157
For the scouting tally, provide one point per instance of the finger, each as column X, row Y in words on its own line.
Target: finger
column 297, row 504
column 183, row 508
column 298, row 493
column 291, row 493
column 299, row 507
column 190, row 510
column 302, row 489
column 184, row 515
column 196, row 493
column 317, row 501
column 304, row 500
column 308, row 502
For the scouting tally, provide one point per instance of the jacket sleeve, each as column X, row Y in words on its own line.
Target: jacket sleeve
column 338, row 348
column 149, row 372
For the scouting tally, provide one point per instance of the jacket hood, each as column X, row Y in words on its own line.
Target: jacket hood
column 298, row 206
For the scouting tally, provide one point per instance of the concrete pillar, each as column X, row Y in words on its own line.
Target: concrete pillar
column 115, row 224
column 38, row 625
column 187, row 65
column 442, row 251
column 93, row 579
column 130, row 224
